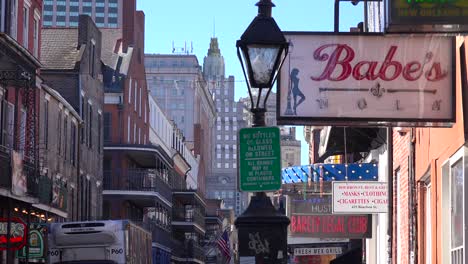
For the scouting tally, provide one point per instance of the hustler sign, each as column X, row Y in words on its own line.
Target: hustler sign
column 365, row 79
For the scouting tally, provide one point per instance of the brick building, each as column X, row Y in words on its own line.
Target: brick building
column 71, row 66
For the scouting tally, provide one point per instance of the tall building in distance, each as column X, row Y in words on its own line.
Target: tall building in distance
column 64, row 13
column 176, row 82
column 222, row 184
column 290, row 147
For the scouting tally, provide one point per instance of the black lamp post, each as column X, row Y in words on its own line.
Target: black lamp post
column 262, row 50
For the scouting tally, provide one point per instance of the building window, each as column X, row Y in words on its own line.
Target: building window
column 99, row 145
column 128, row 129
column 73, row 144
column 226, row 165
column 36, row 38
column 92, row 58
column 46, row 124
column 218, row 128
column 457, row 197
column 25, row 27
column 22, row 139
column 107, row 126
column 90, row 126
column 234, row 137
column 135, row 95
column 428, row 224
column 234, row 165
column 59, row 131
column 234, row 156
column 226, row 155
column 129, row 90
column 218, row 165
column 14, row 19
column 65, row 137
column 8, row 125
column 218, row 155
column 226, row 128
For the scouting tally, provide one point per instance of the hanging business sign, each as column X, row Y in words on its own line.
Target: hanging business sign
column 336, row 226
column 349, row 79
column 318, row 251
column 360, row 197
column 17, row 238
column 420, row 15
column 37, row 239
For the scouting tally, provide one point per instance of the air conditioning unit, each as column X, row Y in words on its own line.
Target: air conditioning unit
column 402, row 130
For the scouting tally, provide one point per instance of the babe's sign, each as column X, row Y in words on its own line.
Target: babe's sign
column 366, row 79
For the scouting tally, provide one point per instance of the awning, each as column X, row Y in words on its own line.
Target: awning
column 332, row 140
column 330, row 172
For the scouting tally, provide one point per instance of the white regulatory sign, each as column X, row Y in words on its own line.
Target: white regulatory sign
column 360, row 197
column 317, row 251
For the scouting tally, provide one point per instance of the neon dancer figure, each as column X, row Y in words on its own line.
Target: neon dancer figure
column 295, row 89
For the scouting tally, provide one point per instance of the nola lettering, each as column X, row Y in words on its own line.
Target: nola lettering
column 340, row 66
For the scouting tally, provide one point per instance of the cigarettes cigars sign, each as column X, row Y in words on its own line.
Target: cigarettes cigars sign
column 360, row 197
column 367, row 79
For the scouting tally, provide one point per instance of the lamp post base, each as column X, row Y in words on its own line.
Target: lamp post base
column 263, row 231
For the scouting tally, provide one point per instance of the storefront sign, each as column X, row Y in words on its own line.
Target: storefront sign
column 367, row 80
column 311, row 205
column 17, row 238
column 336, row 226
column 427, row 12
column 37, row 238
column 360, row 197
column 317, row 251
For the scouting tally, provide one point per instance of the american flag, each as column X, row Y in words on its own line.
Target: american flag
column 224, row 246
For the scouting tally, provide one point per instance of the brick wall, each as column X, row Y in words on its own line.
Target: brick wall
column 400, row 192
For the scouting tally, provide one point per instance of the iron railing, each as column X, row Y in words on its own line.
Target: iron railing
column 188, row 215
column 187, row 249
column 147, row 180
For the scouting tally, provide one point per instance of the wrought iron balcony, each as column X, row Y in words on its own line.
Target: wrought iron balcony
column 143, row 180
column 189, row 249
column 184, row 216
column 161, row 233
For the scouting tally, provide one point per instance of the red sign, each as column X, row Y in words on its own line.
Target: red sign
column 336, row 226
column 18, row 231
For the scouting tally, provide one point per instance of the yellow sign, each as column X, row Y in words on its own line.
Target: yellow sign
column 428, row 12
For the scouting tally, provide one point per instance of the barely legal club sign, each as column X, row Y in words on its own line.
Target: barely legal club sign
column 392, row 78
column 336, row 226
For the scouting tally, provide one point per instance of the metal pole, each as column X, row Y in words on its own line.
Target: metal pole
column 337, row 16
column 390, row 193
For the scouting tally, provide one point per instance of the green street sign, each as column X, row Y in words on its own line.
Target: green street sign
column 259, row 159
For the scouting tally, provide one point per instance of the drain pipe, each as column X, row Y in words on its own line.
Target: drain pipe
column 390, row 193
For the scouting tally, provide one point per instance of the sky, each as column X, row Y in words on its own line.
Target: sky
column 192, row 24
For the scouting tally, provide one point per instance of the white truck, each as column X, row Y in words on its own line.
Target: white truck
column 99, row 242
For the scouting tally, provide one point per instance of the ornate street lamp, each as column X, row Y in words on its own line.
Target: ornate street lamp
column 262, row 49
